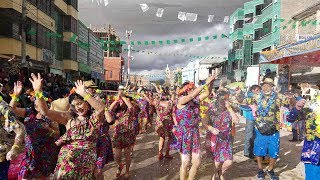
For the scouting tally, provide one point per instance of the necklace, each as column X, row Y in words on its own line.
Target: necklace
column 263, row 111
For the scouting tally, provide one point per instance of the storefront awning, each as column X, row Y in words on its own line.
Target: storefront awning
column 306, row 52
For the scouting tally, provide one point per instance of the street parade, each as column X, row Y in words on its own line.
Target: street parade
column 226, row 90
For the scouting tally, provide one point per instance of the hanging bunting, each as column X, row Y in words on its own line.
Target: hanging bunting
column 191, row 17
column 210, row 18
column 153, row 42
column 191, row 39
column 183, row 40
column 132, row 43
column 199, row 38
column 144, row 7
column 106, row 2
column 226, row 19
column 160, row 12
column 215, row 37
column 182, row 16
column 175, row 41
column 161, row 42
column 146, row 43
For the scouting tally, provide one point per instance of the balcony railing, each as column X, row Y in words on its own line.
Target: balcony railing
column 266, row 41
column 237, row 34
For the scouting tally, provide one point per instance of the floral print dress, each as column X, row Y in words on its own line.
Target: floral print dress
column 144, row 110
column 125, row 134
column 220, row 146
column 41, row 152
column 78, row 155
column 104, row 146
column 164, row 121
column 186, row 133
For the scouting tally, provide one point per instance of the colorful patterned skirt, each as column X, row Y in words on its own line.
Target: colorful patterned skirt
column 121, row 140
column 104, row 151
column 186, row 140
column 76, row 161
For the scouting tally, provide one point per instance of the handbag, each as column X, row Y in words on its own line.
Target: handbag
column 266, row 128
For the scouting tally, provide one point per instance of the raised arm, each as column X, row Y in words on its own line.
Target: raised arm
column 17, row 89
column 59, row 117
column 184, row 100
column 11, row 123
column 157, row 89
column 235, row 118
column 207, row 90
column 94, row 103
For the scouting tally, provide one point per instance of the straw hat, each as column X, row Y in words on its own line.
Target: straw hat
column 90, row 84
column 268, row 81
column 121, row 87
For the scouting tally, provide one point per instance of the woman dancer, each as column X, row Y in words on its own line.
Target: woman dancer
column 186, row 131
column 77, row 156
column 104, row 146
column 218, row 125
column 41, row 152
column 144, row 111
column 164, row 122
column 124, row 135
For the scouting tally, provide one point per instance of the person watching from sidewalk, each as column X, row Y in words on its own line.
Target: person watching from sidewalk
column 10, row 143
column 249, row 112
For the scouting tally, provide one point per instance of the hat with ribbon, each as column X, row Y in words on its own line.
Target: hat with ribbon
column 90, row 84
column 268, row 81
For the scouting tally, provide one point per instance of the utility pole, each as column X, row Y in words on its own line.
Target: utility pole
column 23, row 33
column 128, row 35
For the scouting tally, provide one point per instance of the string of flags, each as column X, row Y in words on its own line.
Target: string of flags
column 112, row 45
column 102, row 2
column 176, row 54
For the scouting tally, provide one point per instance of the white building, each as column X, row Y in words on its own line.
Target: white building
column 198, row 70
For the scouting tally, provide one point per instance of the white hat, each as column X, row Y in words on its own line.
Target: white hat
column 121, row 87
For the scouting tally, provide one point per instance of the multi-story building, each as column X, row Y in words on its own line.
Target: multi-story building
column 113, row 62
column 39, row 21
column 299, row 46
column 83, row 38
column 257, row 27
column 95, row 58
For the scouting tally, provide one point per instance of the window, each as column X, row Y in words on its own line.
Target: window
column 248, row 18
column 256, row 57
column 73, row 3
column 70, row 24
column 31, row 30
column 258, row 34
column 70, row 51
column 267, row 2
column 45, row 6
column 238, row 44
column 238, row 24
column 267, row 26
column 110, row 74
column 235, row 65
column 259, row 9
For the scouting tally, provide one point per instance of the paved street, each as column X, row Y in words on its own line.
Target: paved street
column 145, row 164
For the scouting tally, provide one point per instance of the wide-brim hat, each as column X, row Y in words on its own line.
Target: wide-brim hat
column 90, row 84
column 268, row 81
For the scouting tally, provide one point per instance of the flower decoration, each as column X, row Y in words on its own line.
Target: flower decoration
column 313, row 121
column 186, row 88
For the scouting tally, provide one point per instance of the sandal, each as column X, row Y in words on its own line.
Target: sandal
column 127, row 176
column 119, row 170
column 167, row 156
column 160, row 157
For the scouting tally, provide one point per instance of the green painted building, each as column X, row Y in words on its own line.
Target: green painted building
column 253, row 28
